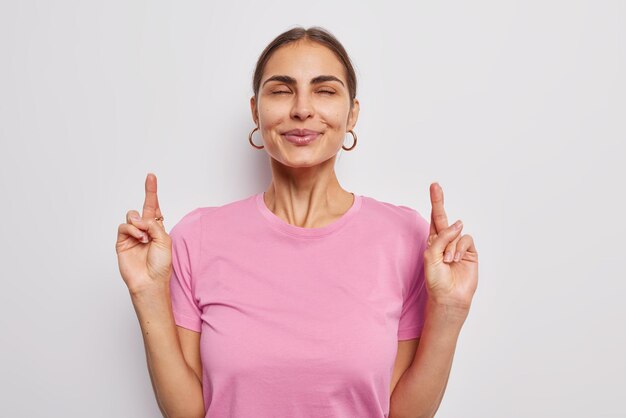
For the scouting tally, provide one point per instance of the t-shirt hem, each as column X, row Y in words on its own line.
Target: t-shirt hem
column 410, row 333
column 185, row 321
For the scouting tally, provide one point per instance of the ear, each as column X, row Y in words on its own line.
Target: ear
column 255, row 116
column 353, row 115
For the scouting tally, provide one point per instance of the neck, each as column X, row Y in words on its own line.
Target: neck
column 308, row 197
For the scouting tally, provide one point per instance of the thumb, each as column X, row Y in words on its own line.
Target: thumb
column 446, row 236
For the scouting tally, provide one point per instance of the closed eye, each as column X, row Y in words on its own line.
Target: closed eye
column 287, row 92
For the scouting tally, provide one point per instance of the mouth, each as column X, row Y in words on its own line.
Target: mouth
column 301, row 136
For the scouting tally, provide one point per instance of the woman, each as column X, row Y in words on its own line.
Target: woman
column 305, row 300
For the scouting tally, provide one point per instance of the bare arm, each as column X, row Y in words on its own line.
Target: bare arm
column 178, row 389
column 420, row 390
column 404, row 358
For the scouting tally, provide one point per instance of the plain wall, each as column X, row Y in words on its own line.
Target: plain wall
column 517, row 108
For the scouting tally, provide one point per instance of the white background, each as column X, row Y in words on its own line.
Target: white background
column 517, row 108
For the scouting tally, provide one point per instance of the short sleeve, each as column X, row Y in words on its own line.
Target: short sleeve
column 413, row 313
column 184, row 236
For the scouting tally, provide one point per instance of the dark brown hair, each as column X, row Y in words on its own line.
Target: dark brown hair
column 315, row 34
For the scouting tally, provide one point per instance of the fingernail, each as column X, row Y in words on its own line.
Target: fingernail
column 135, row 218
column 144, row 239
column 457, row 224
column 457, row 256
column 448, row 257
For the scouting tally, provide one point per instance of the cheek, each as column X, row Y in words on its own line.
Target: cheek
column 334, row 117
column 273, row 114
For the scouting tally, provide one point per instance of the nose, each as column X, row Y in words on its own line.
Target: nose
column 302, row 107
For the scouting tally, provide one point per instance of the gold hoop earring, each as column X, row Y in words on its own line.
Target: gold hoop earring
column 354, row 144
column 250, row 139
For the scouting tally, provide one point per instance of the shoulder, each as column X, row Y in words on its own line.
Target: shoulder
column 189, row 222
column 395, row 215
column 192, row 222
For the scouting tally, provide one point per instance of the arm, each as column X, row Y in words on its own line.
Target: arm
column 420, row 390
column 177, row 388
column 404, row 358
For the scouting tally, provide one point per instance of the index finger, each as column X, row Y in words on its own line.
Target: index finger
column 438, row 214
column 151, row 202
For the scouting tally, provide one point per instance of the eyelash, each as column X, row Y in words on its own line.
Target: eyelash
column 321, row 91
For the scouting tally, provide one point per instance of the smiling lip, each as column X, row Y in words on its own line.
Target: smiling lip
column 301, row 136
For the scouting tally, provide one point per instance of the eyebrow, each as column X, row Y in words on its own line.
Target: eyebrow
column 292, row 81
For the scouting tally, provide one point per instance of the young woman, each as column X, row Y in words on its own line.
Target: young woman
column 303, row 300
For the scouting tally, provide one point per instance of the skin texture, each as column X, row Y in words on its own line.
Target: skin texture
column 304, row 190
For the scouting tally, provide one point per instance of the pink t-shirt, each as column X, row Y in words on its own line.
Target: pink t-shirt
column 299, row 322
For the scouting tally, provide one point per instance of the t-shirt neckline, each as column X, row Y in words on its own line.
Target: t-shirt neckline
column 299, row 231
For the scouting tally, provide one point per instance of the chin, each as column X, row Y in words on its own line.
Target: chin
column 302, row 161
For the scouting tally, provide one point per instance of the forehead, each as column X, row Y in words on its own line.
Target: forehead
column 304, row 60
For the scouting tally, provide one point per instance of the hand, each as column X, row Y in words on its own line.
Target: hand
column 450, row 260
column 144, row 249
